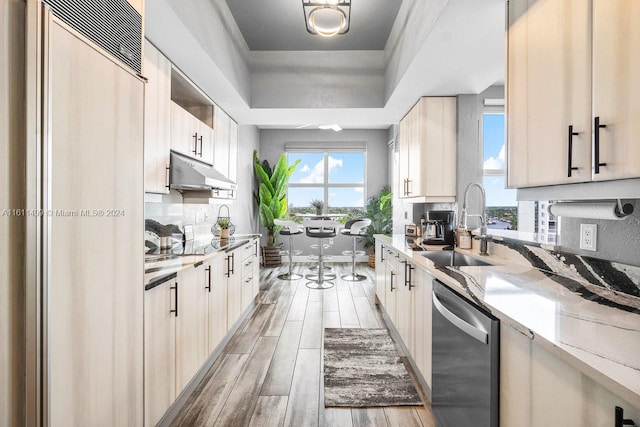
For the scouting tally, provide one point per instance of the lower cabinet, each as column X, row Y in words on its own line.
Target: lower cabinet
column 191, row 325
column 159, row 351
column 217, row 296
column 234, row 289
column 391, row 288
column 538, row 388
column 381, row 271
column 404, row 304
column 421, row 290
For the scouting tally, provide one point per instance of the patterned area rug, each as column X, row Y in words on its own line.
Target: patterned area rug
column 362, row 368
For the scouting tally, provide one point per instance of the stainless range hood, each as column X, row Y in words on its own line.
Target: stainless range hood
column 192, row 175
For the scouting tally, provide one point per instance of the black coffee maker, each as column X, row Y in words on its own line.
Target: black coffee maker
column 442, row 222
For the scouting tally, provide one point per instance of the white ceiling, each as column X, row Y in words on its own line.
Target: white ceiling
column 435, row 48
column 279, row 25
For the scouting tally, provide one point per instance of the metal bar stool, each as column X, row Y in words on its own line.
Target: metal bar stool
column 290, row 229
column 320, row 229
column 354, row 228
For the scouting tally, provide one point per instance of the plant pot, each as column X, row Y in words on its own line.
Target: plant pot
column 224, row 233
column 318, row 211
column 271, row 256
column 372, row 260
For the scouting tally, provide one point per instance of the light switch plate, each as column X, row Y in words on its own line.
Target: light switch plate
column 588, row 236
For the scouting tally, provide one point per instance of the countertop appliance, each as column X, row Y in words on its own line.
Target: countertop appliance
column 439, row 228
column 466, row 351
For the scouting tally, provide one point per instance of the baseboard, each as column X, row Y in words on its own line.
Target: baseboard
column 180, row 401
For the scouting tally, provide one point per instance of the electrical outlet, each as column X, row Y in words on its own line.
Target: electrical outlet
column 588, row 236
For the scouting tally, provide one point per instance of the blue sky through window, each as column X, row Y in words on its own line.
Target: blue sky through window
column 343, row 169
column 493, row 140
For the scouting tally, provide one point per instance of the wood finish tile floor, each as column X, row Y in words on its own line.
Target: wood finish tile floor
column 270, row 373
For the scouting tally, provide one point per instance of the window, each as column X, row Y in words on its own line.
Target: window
column 503, row 210
column 502, row 206
column 334, row 177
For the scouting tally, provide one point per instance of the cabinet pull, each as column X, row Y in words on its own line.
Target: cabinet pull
column 200, row 140
column 381, row 253
column 620, row 421
column 167, row 173
column 596, row 145
column 195, row 143
column 411, row 285
column 233, row 263
column 570, row 148
column 408, row 183
column 392, row 274
column 208, row 287
column 228, row 272
column 175, row 299
column 256, row 245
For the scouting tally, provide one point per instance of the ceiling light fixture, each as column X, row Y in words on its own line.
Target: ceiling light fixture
column 335, row 127
column 327, row 18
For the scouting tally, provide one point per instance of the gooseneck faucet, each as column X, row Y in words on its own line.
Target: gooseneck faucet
column 483, row 216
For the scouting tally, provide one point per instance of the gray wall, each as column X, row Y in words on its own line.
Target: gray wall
column 272, row 144
column 12, row 228
column 616, row 240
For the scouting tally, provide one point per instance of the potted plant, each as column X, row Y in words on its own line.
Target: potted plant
column 318, row 204
column 271, row 199
column 224, row 224
column 379, row 210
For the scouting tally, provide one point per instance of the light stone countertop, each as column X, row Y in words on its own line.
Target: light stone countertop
column 595, row 329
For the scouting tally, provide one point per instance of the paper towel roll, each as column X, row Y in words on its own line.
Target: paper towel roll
column 594, row 210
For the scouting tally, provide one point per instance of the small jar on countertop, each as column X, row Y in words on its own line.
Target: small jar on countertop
column 463, row 236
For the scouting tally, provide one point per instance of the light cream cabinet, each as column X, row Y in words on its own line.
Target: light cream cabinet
column 191, row 325
column 404, row 304
column 225, row 153
column 381, row 271
column 160, row 351
column 538, row 388
column 234, row 287
column 392, row 279
column 427, row 151
column 249, row 276
column 217, row 293
column 190, row 136
column 570, row 112
column 422, row 287
column 157, row 120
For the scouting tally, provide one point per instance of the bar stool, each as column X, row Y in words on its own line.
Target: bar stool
column 290, row 229
column 320, row 229
column 354, row 228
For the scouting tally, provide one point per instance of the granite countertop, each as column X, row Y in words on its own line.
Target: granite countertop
column 158, row 268
column 593, row 327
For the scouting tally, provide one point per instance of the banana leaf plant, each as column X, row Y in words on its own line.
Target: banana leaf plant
column 271, row 196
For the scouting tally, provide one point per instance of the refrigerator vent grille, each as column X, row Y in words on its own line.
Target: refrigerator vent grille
column 114, row 25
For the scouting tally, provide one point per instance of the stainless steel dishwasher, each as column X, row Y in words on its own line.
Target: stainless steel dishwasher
column 466, row 354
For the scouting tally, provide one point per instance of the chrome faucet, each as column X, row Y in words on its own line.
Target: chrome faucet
column 483, row 216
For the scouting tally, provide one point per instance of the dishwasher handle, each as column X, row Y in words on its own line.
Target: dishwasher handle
column 465, row 327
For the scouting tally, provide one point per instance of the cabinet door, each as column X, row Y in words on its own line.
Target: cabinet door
column 233, row 152
column 392, row 283
column 256, row 270
column 435, row 159
column 217, row 290
column 234, row 288
column 205, row 143
column 191, row 325
column 616, row 67
column 221, row 141
column 416, row 148
column 183, row 131
column 159, row 351
column 515, row 377
column 381, row 272
column 404, row 136
column 422, row 288
column 548, row 90
column 404, row 305
column 157, row 120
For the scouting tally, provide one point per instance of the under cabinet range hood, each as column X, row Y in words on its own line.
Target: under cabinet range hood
column 192, row 175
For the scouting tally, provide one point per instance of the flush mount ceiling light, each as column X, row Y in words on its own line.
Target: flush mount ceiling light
column 327, row 18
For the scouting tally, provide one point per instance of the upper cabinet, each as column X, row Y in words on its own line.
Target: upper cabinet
column 571, row 68
column 192, row 119
column 427, row 151
column 157, row 111
column 225, row 144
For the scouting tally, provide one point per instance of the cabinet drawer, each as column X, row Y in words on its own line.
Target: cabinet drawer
column 250, row 250
column 247, row 266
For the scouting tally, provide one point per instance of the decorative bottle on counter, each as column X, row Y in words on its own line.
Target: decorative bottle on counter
column 464, row 238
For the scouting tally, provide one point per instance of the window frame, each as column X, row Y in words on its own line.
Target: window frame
column 326, row 185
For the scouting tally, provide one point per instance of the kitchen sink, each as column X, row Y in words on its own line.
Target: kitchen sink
column 443, row 258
